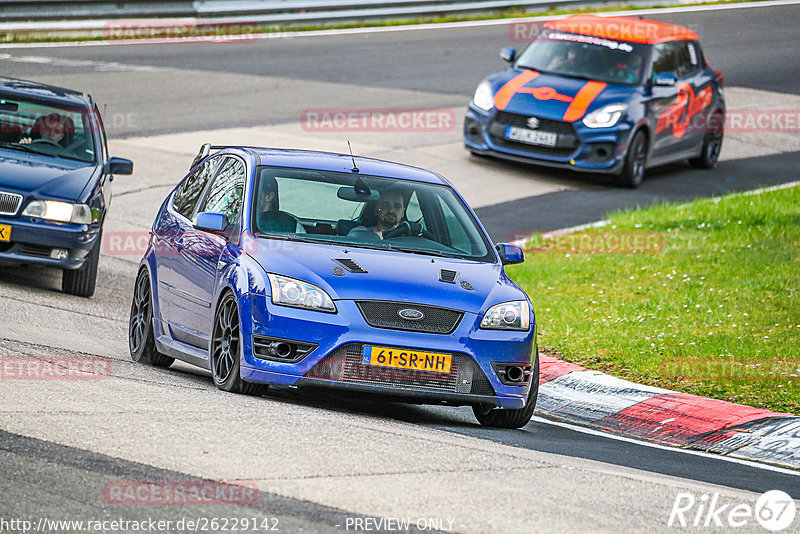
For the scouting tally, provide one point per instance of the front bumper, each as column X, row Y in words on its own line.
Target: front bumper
column 598, row 150
column 32, row 241
column 339, row 338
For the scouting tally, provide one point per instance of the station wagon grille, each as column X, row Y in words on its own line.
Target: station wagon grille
column 9, row 203
column 387, row 314
column 344, row 365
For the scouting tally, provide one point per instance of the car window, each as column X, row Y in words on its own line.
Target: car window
column 688, row 62
column 459, row 239
column 585, row 57
column 226, row 192
column 664, row 59
column 342, row 208
column 46, row 127
column 192, row 187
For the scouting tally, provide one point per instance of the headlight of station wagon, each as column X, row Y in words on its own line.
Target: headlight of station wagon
column 54, row 210
column 514, row 315
column 298, row 294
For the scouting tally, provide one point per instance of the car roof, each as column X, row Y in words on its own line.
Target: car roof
column 628, row 29
column 51, row 92
column 331, row 161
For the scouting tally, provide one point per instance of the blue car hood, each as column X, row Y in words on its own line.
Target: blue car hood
column 390, row 275
column 555, row 94
column 44, row 177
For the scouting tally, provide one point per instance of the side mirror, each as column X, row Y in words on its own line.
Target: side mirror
column 508, row 54
column 666, row 79
column 215, row 223
column 509, row 254
column 118, row 166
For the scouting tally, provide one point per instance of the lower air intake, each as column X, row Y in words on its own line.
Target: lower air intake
column 344, row 365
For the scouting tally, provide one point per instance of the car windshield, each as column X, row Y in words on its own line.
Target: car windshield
column 366, row 211
column 585, row 57
column 44, row 127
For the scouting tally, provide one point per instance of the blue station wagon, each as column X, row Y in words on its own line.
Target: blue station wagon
column 55, row 176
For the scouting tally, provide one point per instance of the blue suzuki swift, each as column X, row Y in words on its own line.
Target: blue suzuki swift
column 613, row 95
column 298, row 268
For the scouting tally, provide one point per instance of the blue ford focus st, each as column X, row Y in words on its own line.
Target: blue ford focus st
column 297, row 269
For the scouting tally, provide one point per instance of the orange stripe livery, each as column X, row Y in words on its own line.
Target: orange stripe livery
column 507, row 92
column 577, row 104
column 581, row 102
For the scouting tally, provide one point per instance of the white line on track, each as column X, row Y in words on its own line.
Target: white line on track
column 593, row 432
column 410, row 27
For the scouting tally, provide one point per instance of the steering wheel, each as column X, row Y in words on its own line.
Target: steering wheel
column 42, row 140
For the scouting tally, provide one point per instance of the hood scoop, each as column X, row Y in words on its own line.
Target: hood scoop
column 350, row 265
column 446, row 275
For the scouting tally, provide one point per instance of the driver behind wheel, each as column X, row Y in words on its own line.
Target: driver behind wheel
column 54, row 129
column 390, row 214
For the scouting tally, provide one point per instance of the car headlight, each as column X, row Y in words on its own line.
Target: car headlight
column 484, row 98
column 298, row 294
column 54, row 210
column 514, row 315
column 606, row 116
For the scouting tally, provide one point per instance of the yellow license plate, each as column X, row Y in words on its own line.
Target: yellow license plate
column 406, row 359
column 5, row 232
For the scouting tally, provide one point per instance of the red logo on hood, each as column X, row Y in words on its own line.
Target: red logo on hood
column 578, row 104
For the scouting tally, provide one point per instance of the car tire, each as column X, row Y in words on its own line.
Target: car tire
column 226, row 350
column 141, row 339
column 82, row 282
column 514, row 418
column 712, row 143
column 635, row 159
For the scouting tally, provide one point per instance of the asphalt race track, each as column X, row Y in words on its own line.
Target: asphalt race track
column 321, row 459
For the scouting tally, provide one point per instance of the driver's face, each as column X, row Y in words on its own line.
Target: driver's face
column 390, row 210
column 54, row 133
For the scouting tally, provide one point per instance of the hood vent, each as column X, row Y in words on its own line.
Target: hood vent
column 350, row 265
column 448, row 276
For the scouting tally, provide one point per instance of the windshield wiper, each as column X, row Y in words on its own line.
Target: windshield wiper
column 27, row 148
column 428, row 252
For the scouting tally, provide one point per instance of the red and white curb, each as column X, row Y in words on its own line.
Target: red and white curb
column 575, row 394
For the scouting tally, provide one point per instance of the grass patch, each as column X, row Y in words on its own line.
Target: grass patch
column 714, row 313
column 208, row 31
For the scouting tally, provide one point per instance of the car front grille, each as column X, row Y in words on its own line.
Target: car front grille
column 566, row 145
column 9, row 203
column 344, row 365
column 386, row 314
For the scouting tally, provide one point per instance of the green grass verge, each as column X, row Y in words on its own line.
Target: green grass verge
column 244, row 28
column 716, row 312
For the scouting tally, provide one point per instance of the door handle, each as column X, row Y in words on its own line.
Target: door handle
column 179, row 246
